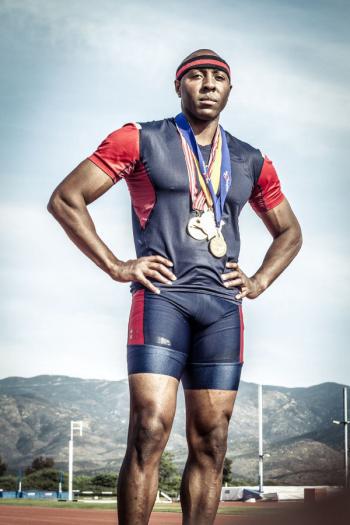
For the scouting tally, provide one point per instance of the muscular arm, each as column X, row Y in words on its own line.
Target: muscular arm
column 287, row 241
column 68, row 204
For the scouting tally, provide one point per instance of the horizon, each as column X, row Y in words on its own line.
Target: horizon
column 72, row 78
column 125, row 379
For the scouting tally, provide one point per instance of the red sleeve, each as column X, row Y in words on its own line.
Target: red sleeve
column 267, row 192
column 119, row 152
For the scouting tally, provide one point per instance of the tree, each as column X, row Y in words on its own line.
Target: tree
column 227, row 471
column 104, row 481
column 82, row 482
column 8, row 482
column 39, row 464
column 169, row 478
column 45, row 479
column 3, row 467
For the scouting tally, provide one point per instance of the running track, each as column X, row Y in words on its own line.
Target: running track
column 12, row 515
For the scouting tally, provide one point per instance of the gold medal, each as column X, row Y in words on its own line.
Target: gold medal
column 217, row 245
column 195, row 230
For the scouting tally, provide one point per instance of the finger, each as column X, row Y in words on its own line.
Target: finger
column 159, row 258
column 148, row 284
column 242, row 294
column 158, row 276
column 234, row 282
column 161, row 268
column 229, row 275
column 231, row 264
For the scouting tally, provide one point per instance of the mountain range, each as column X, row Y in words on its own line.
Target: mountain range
column 301, row 443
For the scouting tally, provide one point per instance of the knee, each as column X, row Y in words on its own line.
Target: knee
column 148, row 437
column 209, row 446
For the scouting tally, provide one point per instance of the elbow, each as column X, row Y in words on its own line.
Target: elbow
column 60, row 204
column 293, row 236
column 297, row 238
column 55, row 204
column 301, row 240
column 64, row 205
column 50, row 206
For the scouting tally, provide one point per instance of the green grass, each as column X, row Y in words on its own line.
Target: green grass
column 163, row 507
column 55, row 504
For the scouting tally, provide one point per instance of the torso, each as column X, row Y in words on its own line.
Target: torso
column 163, row 208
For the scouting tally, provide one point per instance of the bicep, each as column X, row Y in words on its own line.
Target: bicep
column 280, row 218
column 113, row 160
column 87, row 182
column 270, row 204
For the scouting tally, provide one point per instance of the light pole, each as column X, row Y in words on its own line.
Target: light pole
column 261, row 454
column 60, row 483
column 19, row 492
column 74, row 425
column 345, row 423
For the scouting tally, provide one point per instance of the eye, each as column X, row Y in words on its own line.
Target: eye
column 196, row 74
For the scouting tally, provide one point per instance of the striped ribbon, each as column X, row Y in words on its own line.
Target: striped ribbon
column 201, row 198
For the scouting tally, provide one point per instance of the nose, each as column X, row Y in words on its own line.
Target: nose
column 209, row 82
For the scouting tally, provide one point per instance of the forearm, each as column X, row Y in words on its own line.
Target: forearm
column 279, row 255
column 75, row 219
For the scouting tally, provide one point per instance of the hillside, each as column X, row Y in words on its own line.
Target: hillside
column 305, row 447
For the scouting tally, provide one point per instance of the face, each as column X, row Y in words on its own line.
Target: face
column 204, row 92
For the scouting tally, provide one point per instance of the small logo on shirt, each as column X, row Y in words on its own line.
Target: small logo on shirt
column 227, row 179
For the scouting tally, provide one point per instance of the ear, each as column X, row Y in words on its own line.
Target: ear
column 177, row 85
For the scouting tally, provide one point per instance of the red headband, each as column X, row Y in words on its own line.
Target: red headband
column 203, row 62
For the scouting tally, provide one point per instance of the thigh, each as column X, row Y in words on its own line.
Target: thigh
column 152, row 398
column 159, row 335
column 208, row 410
column 216, row 357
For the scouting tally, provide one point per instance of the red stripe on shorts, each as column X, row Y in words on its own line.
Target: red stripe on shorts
column 135, row 326
column 241, row 334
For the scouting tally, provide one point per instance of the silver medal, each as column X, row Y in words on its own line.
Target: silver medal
column 194, row 229
column 208, row 223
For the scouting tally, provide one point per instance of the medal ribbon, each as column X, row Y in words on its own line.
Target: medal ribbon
column 195, row 162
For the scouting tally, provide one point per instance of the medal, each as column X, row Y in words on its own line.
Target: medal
column 195, row 230
column 217, row 245
column 209, row 224
column 202, row 226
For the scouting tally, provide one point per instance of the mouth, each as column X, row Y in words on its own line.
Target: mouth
column 209, row 101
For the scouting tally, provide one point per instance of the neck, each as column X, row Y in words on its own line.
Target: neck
column 204, row 130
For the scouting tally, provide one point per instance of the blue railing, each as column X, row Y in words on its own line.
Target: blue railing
column 33, row 494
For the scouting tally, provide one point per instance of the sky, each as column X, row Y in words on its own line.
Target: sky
column 74, row 71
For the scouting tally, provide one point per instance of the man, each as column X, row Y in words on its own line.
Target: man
column 188, row 180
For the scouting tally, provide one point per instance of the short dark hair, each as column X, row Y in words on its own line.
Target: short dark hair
column 200, row 52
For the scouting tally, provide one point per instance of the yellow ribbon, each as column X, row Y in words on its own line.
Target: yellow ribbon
column 214, row 173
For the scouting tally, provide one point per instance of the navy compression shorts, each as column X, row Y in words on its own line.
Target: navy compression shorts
column 191, row 336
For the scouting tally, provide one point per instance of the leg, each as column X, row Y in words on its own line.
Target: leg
column 157, row 351
column 152, row 409
column 211, row 379
column 208, row 413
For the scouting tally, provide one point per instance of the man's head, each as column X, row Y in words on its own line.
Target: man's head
column 203, row 84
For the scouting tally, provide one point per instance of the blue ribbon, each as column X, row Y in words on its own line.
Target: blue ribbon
column 225, row 169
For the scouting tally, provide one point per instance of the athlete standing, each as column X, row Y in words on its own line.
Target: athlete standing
column 188, row 180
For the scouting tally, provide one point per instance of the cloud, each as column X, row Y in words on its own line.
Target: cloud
column 275, row 74
column 80, row 70
column 59, row 304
